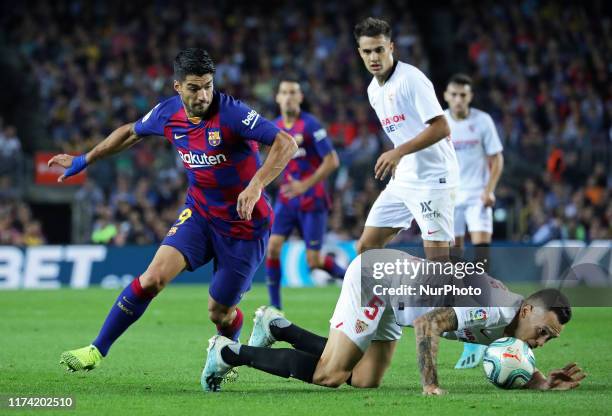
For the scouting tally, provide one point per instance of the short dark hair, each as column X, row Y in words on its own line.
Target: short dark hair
column 288, row 78
column 552, row 300
column 193, row 61
column 461, row 79
column 372, row 27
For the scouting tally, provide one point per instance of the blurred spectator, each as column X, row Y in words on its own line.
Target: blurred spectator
column 540, row 69
column 539, row 72
column 10, row 146
column 9, row 235
column 11, row 162
column 18, row 227
column 104, row 229
column 32, row 235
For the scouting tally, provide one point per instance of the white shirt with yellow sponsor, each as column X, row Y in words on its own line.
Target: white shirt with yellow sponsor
column 404, row 104
column 474, row 138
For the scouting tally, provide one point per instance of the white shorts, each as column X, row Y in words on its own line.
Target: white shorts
column 397, row 205
column 472, row 212
column 362, row 324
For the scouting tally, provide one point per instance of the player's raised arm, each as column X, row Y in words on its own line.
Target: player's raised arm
column 283, row 148
column 427, row 330
column 120, row 139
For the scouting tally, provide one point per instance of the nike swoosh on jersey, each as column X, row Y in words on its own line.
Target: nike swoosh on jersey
column 176, row 136
column 432, row 232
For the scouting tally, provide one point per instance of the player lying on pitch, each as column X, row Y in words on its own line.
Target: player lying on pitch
column 362, row 339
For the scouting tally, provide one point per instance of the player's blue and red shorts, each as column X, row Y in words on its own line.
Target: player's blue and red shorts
column 235, row 260
column 310, row 224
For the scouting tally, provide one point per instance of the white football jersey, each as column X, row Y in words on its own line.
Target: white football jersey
column 474, row 138
column 477, row 325
column 404, row 104
column 483, row 325
column 480, row 319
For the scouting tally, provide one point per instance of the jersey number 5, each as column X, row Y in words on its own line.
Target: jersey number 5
column 375, row 304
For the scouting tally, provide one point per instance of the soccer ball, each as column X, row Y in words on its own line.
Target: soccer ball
column 509, row 363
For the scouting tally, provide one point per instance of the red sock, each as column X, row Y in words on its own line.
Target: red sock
column 139, row 291
column 232, row 331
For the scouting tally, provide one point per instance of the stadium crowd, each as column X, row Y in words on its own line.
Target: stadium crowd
column 541, row 72
column 539, row 69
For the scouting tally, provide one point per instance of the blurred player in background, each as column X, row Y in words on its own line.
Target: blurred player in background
column 479, row 152
column 303, row 201
column 226, row 217
column 422, row 166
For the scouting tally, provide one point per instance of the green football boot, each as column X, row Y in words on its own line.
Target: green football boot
column 81, row 359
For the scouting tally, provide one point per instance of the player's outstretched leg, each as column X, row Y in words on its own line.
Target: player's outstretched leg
column 271, row 326
column 129, row 306
column 331, row 368
column 261, row 336
column 283, row 362
column 224, row 354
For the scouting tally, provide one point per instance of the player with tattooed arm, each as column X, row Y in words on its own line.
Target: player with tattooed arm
column 363, row 336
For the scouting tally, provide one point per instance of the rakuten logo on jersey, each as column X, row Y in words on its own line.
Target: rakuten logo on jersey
column 390, row 123
column 201, row 160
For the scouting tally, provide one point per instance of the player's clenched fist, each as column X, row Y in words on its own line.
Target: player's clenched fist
column 72, row 164
column 247, row 200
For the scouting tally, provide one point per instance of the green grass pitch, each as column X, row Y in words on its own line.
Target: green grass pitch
column 155, row 367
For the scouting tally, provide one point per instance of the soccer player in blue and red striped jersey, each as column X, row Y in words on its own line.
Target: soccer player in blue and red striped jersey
column 226, row 217
column 303, row 201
